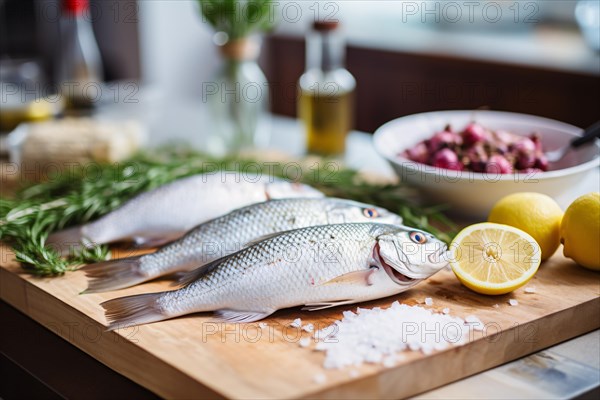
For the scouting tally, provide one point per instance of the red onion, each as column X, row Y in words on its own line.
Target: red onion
column 481, row 150
column 418, row 153
column 473, row 133
column 447, row 159
column 541, row 162
column 444, row 139
column 498, row 164
column 525, row 146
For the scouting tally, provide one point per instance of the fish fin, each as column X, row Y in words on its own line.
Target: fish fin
column 133, row 310
column 175, row 277
column 148, row 242
column 262, row 238
column 67, row 241
column 326, row 304
column 362, row 277
column 235, row 316
column 189, row 277
column 114, row 274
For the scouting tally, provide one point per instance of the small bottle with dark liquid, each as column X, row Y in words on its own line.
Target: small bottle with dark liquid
column 326, row 91
column 80, row 69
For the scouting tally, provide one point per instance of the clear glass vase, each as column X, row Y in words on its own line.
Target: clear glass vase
column 238, row 99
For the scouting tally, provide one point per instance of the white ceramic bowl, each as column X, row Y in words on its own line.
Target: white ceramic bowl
column 473, row 194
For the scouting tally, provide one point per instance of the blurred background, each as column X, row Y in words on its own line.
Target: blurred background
column 537, row 57
column 101, row 78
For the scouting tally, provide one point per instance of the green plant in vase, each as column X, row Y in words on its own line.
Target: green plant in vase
column 239, row 94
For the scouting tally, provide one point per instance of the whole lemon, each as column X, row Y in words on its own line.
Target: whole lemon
column 580, row 231
column 534, row 213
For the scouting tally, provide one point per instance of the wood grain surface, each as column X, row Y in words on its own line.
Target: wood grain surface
column 194, row 357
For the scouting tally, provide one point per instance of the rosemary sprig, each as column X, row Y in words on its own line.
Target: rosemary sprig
column 42, row 208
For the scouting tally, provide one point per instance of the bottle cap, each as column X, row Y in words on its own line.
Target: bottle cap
column 325, row 26
column 75, row 7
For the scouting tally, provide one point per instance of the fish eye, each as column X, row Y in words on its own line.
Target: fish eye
column 418, row 237
column 370, row 213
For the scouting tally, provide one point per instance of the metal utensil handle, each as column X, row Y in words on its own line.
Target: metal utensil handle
column 588, row 135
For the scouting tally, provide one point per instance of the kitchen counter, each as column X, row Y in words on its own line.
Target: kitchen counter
column 578, row 359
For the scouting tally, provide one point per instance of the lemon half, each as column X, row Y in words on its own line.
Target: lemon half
column 493, row 258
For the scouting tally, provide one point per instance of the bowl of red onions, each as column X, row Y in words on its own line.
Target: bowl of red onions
column 471, row 159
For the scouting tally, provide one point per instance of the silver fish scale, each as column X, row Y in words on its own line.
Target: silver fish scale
column 231, row 232
column 262, row 277
column 175, row 207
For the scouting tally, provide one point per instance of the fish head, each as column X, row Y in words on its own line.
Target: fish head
column 410, row 255
column 343, row 211
column 280, row 189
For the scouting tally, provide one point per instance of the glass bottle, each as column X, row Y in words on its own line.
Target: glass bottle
column 238, row 99
column 80, row 69
column 326, row 91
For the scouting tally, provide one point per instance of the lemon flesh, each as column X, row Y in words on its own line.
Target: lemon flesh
column 580, row 231
column 494, row 259
column 534, row 213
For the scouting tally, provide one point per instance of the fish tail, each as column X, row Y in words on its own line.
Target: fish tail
column 114, row 274
column 138, row 309
column 66, row 241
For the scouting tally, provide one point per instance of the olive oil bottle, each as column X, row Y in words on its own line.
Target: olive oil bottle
column 326, row 91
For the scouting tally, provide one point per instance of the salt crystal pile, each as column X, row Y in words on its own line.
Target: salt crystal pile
column 474, row 322
column 390, row 361
column 375, row 336
column 297, row 323
column 320, row 378
column 326, row 334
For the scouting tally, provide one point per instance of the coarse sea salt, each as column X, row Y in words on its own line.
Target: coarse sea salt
column 308, row 328
column 297, row 323
column 474, row 322
column 326, row 333
column 262, row 325
column 304, row 342
column 320, row 378
column 530, row 290
column 428, row 301
column 446, row 311
column 513, row 302
column 377, row 336
column 389, row 361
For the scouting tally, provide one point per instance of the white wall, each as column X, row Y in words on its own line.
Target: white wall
column 177, row 53
column 176, row 49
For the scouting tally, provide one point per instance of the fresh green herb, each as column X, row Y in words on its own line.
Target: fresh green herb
column 80, row 196
column 237, row 18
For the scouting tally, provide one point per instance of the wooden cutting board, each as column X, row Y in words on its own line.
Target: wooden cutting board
column 194, row 357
